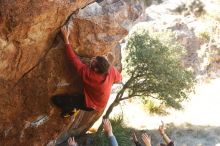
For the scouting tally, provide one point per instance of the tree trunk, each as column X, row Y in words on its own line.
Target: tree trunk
column 118, row 97
column 115, row 103
column 108, row 112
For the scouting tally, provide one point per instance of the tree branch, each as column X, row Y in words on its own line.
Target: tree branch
column 125, row 98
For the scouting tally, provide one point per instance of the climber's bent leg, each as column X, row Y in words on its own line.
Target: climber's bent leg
column 78, row 101
column 61, row 100
column 68, row 103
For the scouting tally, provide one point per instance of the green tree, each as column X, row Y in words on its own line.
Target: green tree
column 155, row 72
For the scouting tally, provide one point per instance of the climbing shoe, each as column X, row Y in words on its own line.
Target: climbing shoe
column 65, row 114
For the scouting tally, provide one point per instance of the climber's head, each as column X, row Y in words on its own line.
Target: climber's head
column 100, row 64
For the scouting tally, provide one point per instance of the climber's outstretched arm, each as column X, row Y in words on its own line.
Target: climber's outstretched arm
column 66, row 33
column 76, row 62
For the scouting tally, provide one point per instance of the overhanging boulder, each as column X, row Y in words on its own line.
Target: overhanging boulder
column 34, row 65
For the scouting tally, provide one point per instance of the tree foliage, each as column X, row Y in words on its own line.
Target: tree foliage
column 155, row 72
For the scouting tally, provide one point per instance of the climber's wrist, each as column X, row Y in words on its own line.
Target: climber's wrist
column 66, row 40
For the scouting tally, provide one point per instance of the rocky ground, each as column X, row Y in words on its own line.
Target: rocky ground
column 198, row 31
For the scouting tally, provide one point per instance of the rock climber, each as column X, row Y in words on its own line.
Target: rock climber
column 97, row 79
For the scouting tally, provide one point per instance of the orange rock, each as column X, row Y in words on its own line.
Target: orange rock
column 34, row 65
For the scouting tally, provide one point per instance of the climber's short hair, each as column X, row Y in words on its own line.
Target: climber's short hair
column 102, row 64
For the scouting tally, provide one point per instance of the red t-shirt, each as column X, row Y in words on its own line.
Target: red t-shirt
column 96, row 86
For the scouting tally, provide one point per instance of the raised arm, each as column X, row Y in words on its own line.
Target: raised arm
column 72, row 142
column 108, row 131
column 74, row 59
column 66, row 33
column 146, row 139
column 135, row 140
column 163, row 134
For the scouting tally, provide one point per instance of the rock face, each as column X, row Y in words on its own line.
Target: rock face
column 200, row 36
column 34, row 66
